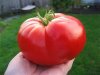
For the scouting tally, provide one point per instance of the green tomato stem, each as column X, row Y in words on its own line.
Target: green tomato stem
column 47, row 18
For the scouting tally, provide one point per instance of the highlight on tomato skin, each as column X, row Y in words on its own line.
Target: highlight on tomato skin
column 51, row 40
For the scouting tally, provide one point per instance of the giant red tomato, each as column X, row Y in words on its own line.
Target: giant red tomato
column 62, row 39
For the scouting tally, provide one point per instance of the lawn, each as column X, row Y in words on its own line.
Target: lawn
column 87, row 63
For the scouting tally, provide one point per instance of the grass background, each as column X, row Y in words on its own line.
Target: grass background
column 87, row 63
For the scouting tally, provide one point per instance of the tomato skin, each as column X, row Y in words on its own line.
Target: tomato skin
column 60, row 41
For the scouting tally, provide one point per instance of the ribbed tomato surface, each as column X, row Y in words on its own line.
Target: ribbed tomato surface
column 59, row 41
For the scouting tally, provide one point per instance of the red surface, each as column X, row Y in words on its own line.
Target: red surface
column 61, row 40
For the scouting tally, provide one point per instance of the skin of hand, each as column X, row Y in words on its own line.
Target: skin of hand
column 21, row 66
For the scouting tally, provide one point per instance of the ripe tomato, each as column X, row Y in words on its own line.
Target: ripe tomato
column 61, row 40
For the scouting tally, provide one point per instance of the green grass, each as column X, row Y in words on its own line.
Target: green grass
column 87, row 63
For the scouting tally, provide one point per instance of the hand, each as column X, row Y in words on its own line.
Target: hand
column 21, row 66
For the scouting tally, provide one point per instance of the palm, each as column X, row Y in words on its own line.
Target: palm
column 20, row 66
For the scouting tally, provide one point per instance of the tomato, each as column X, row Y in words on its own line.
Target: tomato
column 61, row 40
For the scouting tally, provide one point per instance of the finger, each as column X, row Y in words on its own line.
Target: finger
column 61, row 69
column 67, row 66
column 19, row 54
column 17, row 58
column 20, row 65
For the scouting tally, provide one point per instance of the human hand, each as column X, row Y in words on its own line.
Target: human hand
column 21, row 66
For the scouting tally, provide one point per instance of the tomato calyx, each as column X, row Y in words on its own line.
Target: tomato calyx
column 47, row 17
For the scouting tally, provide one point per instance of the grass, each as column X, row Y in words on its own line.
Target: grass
column 87, row 63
